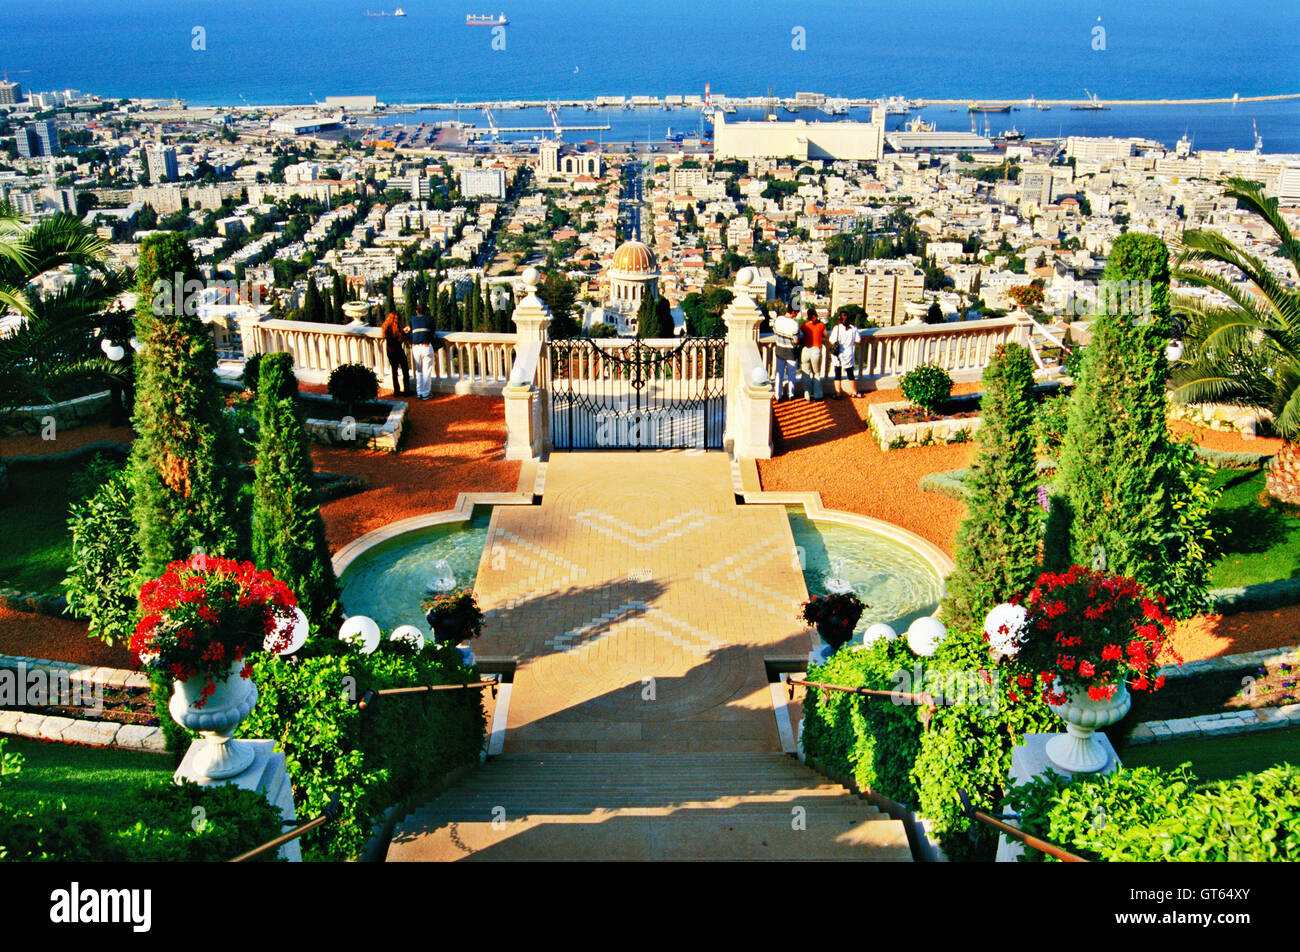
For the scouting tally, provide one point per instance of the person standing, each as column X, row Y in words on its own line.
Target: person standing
column 786, row 329
column 810, row 358
column 395, row 337
column 424, row 342
column 844, row 351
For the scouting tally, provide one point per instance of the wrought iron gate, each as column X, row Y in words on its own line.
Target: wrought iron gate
column 629, row 394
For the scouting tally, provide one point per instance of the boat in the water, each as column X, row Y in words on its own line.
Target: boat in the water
column 988, row 107
column 399, row 12
column 1092, row 105
column 1013, row 135
column 475, row 20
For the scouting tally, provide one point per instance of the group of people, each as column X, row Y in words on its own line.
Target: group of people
column 800, row 350
column 424, row 341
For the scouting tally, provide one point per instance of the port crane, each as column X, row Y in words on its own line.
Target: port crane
column 554, row 113
column 492, row 122
column 1259, row 143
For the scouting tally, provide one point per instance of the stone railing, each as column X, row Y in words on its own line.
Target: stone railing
column 467, row 363
column 885, row 354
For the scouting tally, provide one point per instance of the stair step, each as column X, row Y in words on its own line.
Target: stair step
column 654, row 838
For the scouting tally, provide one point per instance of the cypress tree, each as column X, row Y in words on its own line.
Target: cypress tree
column 389, row 304
column 997, row 543
column 646, row 321
column 1131, row 500
column 183, row 460
column 288, row 534
column 313, row 306
column 340, row 295
column 409, row 305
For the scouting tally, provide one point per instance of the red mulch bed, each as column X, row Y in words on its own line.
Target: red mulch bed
column 453, row 444
column 826, row 447
column 59, row 639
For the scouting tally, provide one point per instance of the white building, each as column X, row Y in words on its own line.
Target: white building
column 483, row 183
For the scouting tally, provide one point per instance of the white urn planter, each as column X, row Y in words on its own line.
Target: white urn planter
column 232, row 700
column 1077, row 750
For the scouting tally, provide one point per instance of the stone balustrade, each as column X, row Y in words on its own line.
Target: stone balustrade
column 467, row 363
column 885, row 354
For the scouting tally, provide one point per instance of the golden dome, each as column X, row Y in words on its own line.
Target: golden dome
column 635, row 258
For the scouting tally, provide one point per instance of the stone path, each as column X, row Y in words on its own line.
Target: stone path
column 639, row 602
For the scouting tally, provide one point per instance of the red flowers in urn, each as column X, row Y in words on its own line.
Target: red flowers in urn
column 1096, row 632
column 203, row 615
column 834, row 615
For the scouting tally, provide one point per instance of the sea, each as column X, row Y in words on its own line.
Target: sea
column 236, row 52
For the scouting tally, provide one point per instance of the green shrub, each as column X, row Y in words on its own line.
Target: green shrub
column 872, row 740
column 927, row 386
column 352, row 385
column 288, row 534
column 178, row 823
column 1130, row 499
column 252, row 365
column 1148, row 814
column 101, row 582
column 396, row 749
column 1053, row 413
column 183, row 462
column 997, row 542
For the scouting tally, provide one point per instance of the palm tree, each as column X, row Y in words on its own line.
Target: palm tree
column 52, row 348
column 1245, row 351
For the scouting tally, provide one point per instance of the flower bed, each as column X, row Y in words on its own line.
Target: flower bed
column 927, row 430
column 1253, row 687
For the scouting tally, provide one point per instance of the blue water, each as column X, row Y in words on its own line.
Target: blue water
column 1213, row 126
column 389, row 582
column 275, row 51
column 897, row 585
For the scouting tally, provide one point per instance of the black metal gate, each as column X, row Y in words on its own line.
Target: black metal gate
column 630, row 394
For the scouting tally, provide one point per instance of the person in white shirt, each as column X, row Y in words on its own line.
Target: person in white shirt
column 786, row 329
column 844, row 349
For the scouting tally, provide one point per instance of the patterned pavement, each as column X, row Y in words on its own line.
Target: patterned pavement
column 639, row 602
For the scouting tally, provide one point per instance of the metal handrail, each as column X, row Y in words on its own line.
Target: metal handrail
column 332, row 812
column 924, row 700
column 1043, row 846
column 372, row 695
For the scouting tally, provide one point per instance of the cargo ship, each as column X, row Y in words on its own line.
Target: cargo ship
column 473, row 20
column 985, row 107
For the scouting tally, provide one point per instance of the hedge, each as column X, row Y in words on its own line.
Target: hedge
column 967, row 745
column 232, row 822
column 1149, row 814
column 392, row 752
column 869, row 739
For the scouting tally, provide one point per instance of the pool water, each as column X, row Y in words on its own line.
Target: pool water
column 895, row 582
column 389, row 581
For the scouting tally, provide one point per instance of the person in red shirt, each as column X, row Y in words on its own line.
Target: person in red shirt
column 813, row 336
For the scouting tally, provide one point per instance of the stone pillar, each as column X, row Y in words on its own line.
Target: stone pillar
column 748, row 431
column 527, row 420
column 268, row 774
column 1030, row 760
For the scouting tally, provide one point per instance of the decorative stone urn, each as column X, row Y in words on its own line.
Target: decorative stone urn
column 1077, row 750
column 231, row 702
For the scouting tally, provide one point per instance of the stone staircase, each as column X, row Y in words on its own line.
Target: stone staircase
column 651, row 806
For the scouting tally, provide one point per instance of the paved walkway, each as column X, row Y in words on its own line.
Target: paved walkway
column 639, row 602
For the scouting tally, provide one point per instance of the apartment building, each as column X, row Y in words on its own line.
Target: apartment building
column 881, row 288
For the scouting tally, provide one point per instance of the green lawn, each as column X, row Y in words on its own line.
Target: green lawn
column 1221, row 758
column 89, row 780
column 1252, row 543
column 35, row 547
